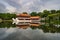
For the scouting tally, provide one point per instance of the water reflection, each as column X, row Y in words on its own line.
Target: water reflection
column 6, row 24
column 26, row 25
column 46, row 28
column 27, row 34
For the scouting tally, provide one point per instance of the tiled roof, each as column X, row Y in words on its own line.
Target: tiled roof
column 24, row 15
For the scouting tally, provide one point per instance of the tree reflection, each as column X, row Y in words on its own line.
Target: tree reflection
column 51, row 28
column 6, row 24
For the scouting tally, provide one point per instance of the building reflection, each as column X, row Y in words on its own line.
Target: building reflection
column 25, row 20
column 26, row 25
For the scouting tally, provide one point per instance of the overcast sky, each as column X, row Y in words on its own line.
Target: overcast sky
column 28, row 5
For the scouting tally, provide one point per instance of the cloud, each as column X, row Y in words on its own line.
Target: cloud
column 30, row 5
column 5, row 7
column 27, row 34
column 11, row 9
column 2, row 8
column 52, row 4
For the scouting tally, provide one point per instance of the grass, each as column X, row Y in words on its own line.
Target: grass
column 0, row 20
column 5, row 20
column 8, row 20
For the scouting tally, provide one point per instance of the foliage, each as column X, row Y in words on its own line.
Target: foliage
column 7, row 16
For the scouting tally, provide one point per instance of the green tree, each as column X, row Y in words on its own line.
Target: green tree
column 39, row 14
column 33, row 14
column 25, row 13
column 53, row 11
column 58, row 11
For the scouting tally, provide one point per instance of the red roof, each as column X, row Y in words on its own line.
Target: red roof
column 23, row 15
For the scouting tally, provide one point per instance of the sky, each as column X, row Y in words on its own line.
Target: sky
column 28, row 5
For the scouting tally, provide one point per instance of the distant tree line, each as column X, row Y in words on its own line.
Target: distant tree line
column 7, row 16
column 45, row 13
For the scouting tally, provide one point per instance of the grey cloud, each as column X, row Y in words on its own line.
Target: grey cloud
column 28, row 34
column 2, row 8
column 32, row 5
column 20, row 7
column 52, row 4
column 13, row 3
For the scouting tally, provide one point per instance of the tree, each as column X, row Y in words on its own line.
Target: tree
column 58, row 11
column 7, row 16
column 39, row 14
column 46, row 13
column 24, row 12
column 33, row 14
column 53, row 11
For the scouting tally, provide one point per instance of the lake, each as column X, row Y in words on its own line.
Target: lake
column 27, row 34
column 9, row 31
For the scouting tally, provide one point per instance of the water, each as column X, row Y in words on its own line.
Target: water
column 9, row 31
column 27, row 34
